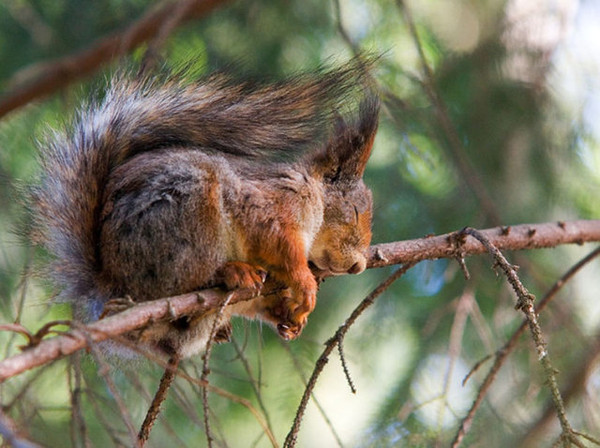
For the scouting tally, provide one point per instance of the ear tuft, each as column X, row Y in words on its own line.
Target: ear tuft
column 351, row 143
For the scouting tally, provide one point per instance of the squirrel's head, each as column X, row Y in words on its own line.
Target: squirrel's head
column 341, row 243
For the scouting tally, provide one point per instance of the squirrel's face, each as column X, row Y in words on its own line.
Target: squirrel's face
column 341, row 244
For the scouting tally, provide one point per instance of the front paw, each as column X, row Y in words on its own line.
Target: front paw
column 291, row 311
column 240, row 275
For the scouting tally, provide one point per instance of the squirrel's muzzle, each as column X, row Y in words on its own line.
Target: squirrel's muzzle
column 358, row 267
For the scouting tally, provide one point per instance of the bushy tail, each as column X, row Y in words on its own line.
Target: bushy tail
column 248, row 119
column 224, row 114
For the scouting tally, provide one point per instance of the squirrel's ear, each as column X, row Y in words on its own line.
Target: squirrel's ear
column 367, row 127
column 350, row 145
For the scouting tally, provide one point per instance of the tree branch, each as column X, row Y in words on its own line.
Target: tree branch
column 51, row 76
column 525, row 236
column 131, row 319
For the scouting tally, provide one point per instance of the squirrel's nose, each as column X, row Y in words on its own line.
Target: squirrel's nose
column 357, row 267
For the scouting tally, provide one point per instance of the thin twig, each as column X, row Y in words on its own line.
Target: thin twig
column 475, row 368
column 104, row 371
column 320, row 408
column 159, row 398
column 246, row 403
column 201, row 383
column 135, row 379
column 10, row 434
column 78, row 427
column 481, row 326
column 340, row 26
column 455, row 346
column 205, row 365
column 25, row 387
column 96, row 401
column 523, row 301
column 457, row 152
column 574, row 385
column 588, row 437
column 73, row 424
column 254, row 382
column 24, row 284
column 290, row 440
column 510, row 345
column 186, row 402
column 344, row 365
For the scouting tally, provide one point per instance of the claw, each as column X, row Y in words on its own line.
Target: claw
column 262, row 274
column 282, row 329
column 288, row 332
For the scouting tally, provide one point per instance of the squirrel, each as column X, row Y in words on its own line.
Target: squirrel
column 167, row 186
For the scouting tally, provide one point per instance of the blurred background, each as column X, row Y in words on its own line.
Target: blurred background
column 490, row 118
